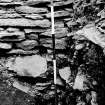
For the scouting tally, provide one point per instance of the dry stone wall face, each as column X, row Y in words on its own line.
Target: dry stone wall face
column 25, row 30
column 25, row 24
column 25, row 35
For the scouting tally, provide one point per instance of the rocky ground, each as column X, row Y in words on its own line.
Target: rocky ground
column 86, row 61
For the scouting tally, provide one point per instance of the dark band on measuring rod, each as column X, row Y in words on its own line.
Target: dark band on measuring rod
column 53, row 41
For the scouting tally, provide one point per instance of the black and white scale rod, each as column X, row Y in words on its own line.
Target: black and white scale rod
column 53, row 40
column 54, row 54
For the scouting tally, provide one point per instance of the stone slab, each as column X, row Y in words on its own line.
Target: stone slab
column 59, row 32
column 5, row 46
column 27, row 44
column 30, row 10
column 11, row 36
column 58, row 14
column 22, row 22
column 22, row 52
column 34, row 65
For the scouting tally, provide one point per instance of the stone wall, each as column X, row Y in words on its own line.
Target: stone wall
column 25, row 35
column 24, row 25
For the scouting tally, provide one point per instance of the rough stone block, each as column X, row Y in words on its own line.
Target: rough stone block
column 60, row 43
column 65, row 73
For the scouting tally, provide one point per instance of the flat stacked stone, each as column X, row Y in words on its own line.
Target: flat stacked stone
column 8, row 13
column 34, row 16
column 11, row 16
column 71, row 23
column 5, row 4
column 59, row 43
column 5, row 46
column 59, row 24
column 59, row 32
column 12, row 29
column 35, row 2
column 1, row 29
column 59, row 14
column 30, row 10
column 63, row 3
column 27, row 44
column 2, row 11
column 32, row 36
column 22, row 52
column 6, row 1
column 12, row 36
column 30, row 30
column 22, row 22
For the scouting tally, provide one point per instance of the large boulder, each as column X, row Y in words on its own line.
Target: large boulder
column 28, row 66
column 93, row 33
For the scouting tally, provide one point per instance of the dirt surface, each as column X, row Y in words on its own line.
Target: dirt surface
column 12, row 96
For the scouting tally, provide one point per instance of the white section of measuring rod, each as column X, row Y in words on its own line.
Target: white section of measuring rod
column 55, row 75
column 52, row 19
